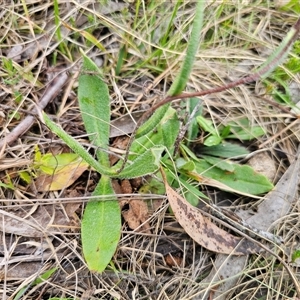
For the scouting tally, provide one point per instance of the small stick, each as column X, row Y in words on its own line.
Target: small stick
column 51, row 91
column 240, row 224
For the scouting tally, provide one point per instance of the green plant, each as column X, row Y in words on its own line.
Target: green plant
column 239, row 129
column 101, row 222
column 152, row 147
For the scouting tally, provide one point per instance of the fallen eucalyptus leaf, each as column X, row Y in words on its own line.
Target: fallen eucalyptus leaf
column 203, row 231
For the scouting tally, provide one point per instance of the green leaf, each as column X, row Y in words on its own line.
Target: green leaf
column 246, row 135
column 220, row 163
column 94, row 103
column 280, row 53
column 144, row 164
column 169, row 127
column 187, row 152
column 243, row 178
column 165, row 134
column 101, row 227
column 213, row 140
column 181, row 180
column 193, row 127
column 225, row 131
column 182, row 164
column 207, row 125
column 153, row 121
column 295, row 255
column 25, row 176
column 242, row 129
column 182, row 78
column 226, row 150
column 50, row 163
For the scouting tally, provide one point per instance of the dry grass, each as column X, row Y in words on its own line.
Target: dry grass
column 163, row 263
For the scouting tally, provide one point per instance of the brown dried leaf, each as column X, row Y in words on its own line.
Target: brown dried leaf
column 136, row 215
column 203, row 231
column 125, row 124
column 60, row 180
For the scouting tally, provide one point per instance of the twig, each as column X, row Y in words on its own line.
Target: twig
column 51, row 91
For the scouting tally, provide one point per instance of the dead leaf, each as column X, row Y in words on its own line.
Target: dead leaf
column 62, row 176
column 173, row 261
column 137, row 214
column 125, row 124
column 203, row 231
column 119, row 143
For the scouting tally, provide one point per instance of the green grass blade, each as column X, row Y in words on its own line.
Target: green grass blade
column 280, row 53
column 101, row 227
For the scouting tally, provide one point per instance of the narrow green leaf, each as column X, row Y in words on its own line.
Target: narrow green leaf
column 169, row 127
column 182, row 164
column 213, row 140
column 207, row 125
column 243, row 178
column 225, row 150
column 101, row 227
column 220, row 163
column 187, row 152
column 94, row 103
column 280, row 53
column 181, row 79
column 193, row 129
column 247, row 135
column 295, row 255
column 37, row 281
column 165, row 134
column 243, row 129
column 152, row 122
column 182, row 180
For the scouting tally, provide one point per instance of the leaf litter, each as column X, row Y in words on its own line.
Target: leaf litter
column 275, row 206
column 163, row 283
column 203, row 230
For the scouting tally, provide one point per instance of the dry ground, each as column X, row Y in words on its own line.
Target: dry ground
column 39, row 43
